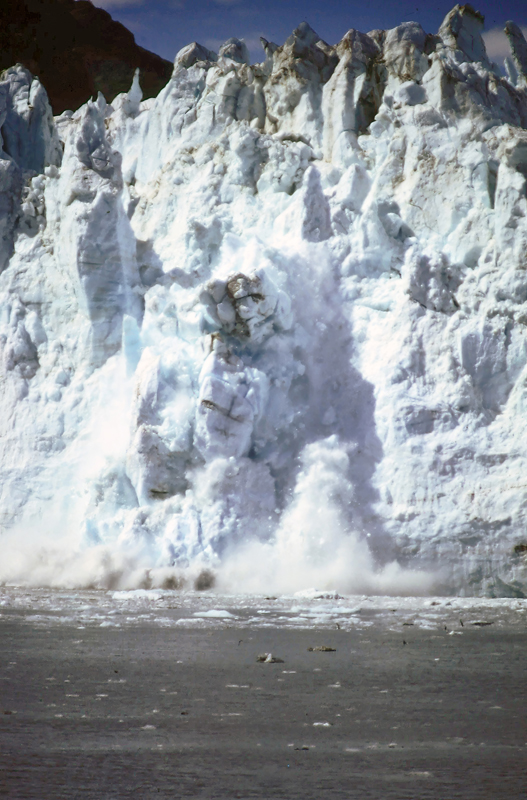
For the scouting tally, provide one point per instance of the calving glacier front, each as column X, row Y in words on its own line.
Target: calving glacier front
column 272, row 322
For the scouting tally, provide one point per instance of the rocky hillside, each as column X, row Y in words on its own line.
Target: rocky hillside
column 76, row 50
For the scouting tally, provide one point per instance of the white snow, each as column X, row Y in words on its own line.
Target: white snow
column 272, row 323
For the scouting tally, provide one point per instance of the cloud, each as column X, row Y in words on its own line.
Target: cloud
column 497, row 44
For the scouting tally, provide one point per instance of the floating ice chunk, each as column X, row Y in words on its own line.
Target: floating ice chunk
column 268, row 658
column 137, row 594
column 214, row 613
column 317, row 594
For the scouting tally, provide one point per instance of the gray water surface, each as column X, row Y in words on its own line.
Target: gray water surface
column 105, row 696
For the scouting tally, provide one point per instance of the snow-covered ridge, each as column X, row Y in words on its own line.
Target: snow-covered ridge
column 272, row 322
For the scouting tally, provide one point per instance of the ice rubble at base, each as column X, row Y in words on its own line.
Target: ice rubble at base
column 275, row 316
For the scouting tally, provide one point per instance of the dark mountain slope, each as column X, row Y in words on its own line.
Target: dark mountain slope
column 76, row 50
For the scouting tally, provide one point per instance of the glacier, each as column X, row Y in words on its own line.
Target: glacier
column 270, row 326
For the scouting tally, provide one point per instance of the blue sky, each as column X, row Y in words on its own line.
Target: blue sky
column 164, row 26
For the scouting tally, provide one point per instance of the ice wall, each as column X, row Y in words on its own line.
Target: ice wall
column 272, row 322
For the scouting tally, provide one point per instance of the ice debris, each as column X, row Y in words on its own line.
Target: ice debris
column 268, row 658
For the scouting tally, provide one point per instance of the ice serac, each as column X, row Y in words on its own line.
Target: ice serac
column 28, row 143
column 518, row 47
column 461, row 31
column 28, row 131
column 96, row 245
column 272, row 322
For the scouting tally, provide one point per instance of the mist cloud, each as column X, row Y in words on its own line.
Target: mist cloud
column 497, row 43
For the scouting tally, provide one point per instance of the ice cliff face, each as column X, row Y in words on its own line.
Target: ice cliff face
column 273, row 321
